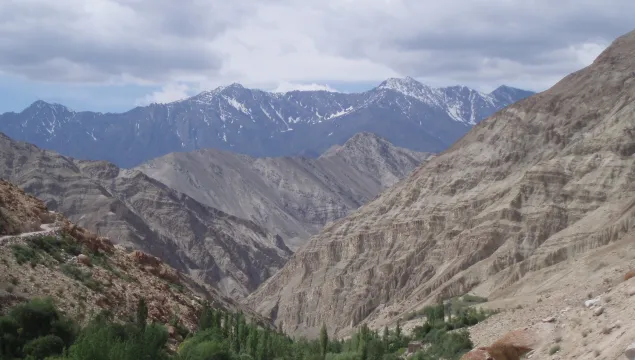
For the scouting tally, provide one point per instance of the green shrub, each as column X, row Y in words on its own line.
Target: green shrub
column 24, row 254
column 209, row 350
column 102, row 340
column 37, row 324
column 50, row 245
column 44, row 347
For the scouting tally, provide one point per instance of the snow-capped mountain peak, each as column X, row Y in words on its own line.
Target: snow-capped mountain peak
column 40, row 105
column 406, row 112
column 412, row 88
column 405, row 85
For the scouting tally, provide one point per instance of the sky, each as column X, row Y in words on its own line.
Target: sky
column 112, row 55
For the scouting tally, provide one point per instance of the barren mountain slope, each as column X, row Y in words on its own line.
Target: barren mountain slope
column 233, row 254
column 19, row 212
column 49, row 263
column 539, row 182
column 582, row 307
column 290, row 196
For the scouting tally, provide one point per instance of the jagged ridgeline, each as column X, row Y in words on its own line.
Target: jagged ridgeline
column 261, row 124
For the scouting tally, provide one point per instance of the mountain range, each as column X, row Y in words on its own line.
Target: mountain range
column 405, row 112
column 504, row 213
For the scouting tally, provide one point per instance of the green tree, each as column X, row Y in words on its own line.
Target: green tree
column 218, row 319
column 263, row 347
column 363, row 351
column 398, row 330
column 226, row 324
column 142, row 314
column 252, row 341
column 324, row 340
column 236, row 333
column 385, row 338
column 375, row 349
column 207, row 319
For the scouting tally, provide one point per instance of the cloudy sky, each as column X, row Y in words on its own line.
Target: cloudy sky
column 110, row 55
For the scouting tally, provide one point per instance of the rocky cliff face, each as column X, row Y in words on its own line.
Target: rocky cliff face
column 537, row 183
column 292, row 196
column 132, row 209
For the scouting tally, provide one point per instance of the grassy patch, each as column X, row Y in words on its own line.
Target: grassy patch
column 55, row 247
column 176, row 287
column 35, row 249
column 85, row 277
column 104, row 262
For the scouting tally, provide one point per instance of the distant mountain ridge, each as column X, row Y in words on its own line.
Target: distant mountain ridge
column 405, row 112
column 290, row 196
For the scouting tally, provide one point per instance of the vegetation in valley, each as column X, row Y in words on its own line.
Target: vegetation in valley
column 37, row 330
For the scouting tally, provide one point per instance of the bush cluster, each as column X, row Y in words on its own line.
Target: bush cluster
column 37, row 331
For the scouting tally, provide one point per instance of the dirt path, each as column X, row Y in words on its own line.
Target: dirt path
column 46, row 228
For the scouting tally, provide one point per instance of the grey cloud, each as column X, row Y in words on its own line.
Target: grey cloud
column 465, row 34
column 53, row 43
column 476, row 41
column 191, row 18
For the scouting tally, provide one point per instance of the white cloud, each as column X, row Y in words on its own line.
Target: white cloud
column 480, row 43
column 167, row 94
column 286, row 87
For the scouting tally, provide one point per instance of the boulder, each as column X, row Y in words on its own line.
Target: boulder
column 598, row 311
column 142, row 258
column 630, row 352
column 84, row 259
column 171, row 331
column 592, row 302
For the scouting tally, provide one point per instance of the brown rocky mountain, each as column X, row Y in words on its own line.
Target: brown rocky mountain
column 537, row 184
column 290, row 196
column 132, row 209
column 47, row 259
column 20, row 212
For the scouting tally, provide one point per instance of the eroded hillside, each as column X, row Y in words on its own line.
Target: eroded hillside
column 290, row 196
column 138, row 212
column 543, row 181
